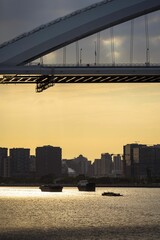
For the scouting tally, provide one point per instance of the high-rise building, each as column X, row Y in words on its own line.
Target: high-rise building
column 49, row 161
column 97, row 167
column 148, row 161
column 19, row 161
column 80, row 165
column 142, row 161
column 3, row 159
column 117, row 165
column 7, row 168
column 129, row 155
column 32, row 166
column 106, row 164
column 103, row 167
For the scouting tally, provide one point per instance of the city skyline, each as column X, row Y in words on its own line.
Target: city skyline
column 138, row 161
column 87, row 119
column 52, row 146
column 79, row 154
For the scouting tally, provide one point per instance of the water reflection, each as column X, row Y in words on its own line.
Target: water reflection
column 28, row 213
column 92, row 233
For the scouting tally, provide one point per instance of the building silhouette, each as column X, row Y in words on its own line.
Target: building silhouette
column 147, row 159
column 103, row 167
column 142, row 161
column 3, row 161
column 130, row 163
column 19, row 162
column 97, row 167
column 32, row 166
column 117, row 165
column 49, row 161
column 80, row 165
column 106, row 163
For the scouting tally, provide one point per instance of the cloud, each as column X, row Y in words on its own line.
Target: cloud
column 21, row 16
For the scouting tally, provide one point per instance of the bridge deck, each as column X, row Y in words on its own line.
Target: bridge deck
column 45, row 76
column 33, row 79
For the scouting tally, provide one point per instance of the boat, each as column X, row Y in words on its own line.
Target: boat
column 84, row 185
column 51, row 188
column 110, row 194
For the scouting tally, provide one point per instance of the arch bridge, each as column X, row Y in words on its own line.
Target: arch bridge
column 16, row 53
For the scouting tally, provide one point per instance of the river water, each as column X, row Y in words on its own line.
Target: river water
column 28, row 213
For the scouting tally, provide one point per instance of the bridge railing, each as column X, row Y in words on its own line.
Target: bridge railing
column 97, row 65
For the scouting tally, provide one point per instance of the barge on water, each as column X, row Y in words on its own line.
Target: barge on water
column 84, row 185
column 51, row 188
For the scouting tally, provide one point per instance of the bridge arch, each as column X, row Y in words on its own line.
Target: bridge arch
column 75, row 26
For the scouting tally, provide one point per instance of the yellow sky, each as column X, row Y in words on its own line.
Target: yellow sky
column 87, row 119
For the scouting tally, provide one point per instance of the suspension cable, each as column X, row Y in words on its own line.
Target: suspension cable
column 147, row 41
column 112, row 46
column 95, row 54
column 131, row 41
column 98, row 47
column 64, row 56
column 41, row 60
column 77, row 53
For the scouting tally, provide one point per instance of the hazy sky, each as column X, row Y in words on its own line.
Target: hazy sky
column 82, row 119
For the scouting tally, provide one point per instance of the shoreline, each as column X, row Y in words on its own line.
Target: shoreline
column 97, row 185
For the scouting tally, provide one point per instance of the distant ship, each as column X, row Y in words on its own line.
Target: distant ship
column 111, row 194
column 84, row 185
column 51, row 188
